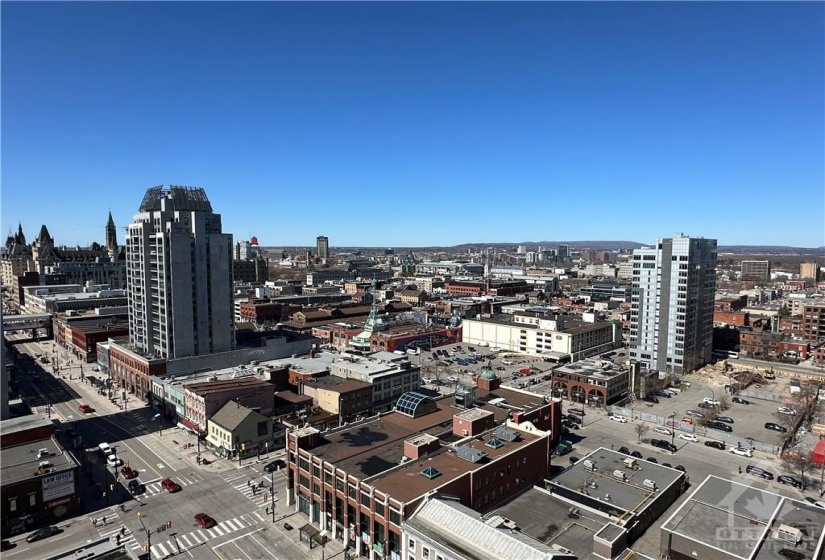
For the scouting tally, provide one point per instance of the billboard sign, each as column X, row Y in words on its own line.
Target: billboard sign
column 58, row 486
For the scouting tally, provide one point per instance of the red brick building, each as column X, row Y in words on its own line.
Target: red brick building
column 361, row 482
column 735, row 318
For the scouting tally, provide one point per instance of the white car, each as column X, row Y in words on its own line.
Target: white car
column 507, row 362
column 664, row 431
column 786, row 410
column 495, row 349
column 112, row 461
column 744, row 452
column 452, row 379
column 617, row 418
column 709, row 400
column 427, row 380
column 689, row 437
column 105, row 448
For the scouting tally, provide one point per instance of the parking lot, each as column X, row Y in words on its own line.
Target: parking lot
column 447, row 369
column 748, row 419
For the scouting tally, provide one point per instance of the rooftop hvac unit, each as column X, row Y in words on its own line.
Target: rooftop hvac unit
column 589, row 465
column 619, row 474
column 649, row 484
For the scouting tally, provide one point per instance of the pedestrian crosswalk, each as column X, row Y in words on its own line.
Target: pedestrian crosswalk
column 255, row 490
column 119, row 529
column 184, row 479
column 193, row 539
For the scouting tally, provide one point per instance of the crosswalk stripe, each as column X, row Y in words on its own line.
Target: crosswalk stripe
column 229, row 526
column 259, row 516
column 185, row 539
column 162, row 550
column 202, row 535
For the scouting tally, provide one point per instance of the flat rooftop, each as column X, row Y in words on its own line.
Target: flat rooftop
column 20, row 462
column 630, row 495
column 549, row 520
column 749, row 516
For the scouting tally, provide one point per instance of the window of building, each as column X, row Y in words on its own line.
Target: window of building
column 425, row 553
column 12, row 504
column 32, row 499
column 395, row 517
column 379, row 509
column 411, row 544
column 365, row 499
column 316, row 471
column 304, row 481
column 304, row 464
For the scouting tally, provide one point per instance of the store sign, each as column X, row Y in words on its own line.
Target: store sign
column 58, row 486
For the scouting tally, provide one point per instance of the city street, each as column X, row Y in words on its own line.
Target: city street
column 236, row 496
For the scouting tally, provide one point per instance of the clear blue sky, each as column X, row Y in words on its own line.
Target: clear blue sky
column 411, row 124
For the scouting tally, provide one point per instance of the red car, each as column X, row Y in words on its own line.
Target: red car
column 85, row 408
column 525, row 371
column 170, row 485
column 204, row 520
column 129, row 473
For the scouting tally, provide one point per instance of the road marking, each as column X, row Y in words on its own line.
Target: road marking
column 259, row 516
column 266, row 548
column 239, row 537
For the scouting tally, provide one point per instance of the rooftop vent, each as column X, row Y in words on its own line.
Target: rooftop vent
column 471, row 454
column 505, row 434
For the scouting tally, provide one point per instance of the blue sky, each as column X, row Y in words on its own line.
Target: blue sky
column 414, row 124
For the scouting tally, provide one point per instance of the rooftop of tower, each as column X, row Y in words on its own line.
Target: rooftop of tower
column 184, row 198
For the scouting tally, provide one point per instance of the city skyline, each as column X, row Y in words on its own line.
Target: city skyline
column 414, row 125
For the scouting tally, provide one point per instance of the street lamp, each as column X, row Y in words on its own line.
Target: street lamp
column 673, row 432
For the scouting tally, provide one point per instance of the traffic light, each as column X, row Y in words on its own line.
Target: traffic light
column 168, row 524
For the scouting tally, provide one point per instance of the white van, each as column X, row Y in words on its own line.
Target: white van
column 105, row 448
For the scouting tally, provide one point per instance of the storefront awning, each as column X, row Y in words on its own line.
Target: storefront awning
column 189, row 426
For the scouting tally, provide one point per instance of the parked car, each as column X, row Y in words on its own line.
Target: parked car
column 705, row 405
column 791, row 554
column 85, row 408
column 694, row 413
column 680, row 468
column 740, row 400
column 715, row 444
column 786, row 479
column 788, row 411
column 113, row 461
column 653, row 460
column 573, row 460
column 775, row 427
column 759, row 471
column 129, row 473
column 507, row 362
column 689, row 437
column 726, row 419
column 287, row 526
column 204, row 520
column 624, row 450
column 573, row 418
column 135, row 487
column 719, row 426
column 664, row 394
column 815, row 502
column 105, row 448
column 711, row 401
column 636, row 454
column 617, row 418
column 452, row 379
column 274, row 465
column 170, row 485
column 652, row 399
column 660, row 430
column 6, row 545
column 577, row 411
column 525, row 371
column 43, row 533
column 743, row 451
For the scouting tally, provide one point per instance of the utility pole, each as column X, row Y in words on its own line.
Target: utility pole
column 272, row 493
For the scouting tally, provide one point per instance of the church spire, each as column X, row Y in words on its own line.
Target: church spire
column 111, row 234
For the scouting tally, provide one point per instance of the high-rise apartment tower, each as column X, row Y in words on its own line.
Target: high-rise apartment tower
column 179, row 276
column 322, row 247
column 671, row 317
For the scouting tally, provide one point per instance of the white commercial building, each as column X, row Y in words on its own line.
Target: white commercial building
column 672, row 304
column 179, row 276
column 559, row 338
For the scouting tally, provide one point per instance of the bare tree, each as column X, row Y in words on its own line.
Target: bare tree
column 724, row 402
column 641, row 429
column 799, row 462
column 708, row 414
